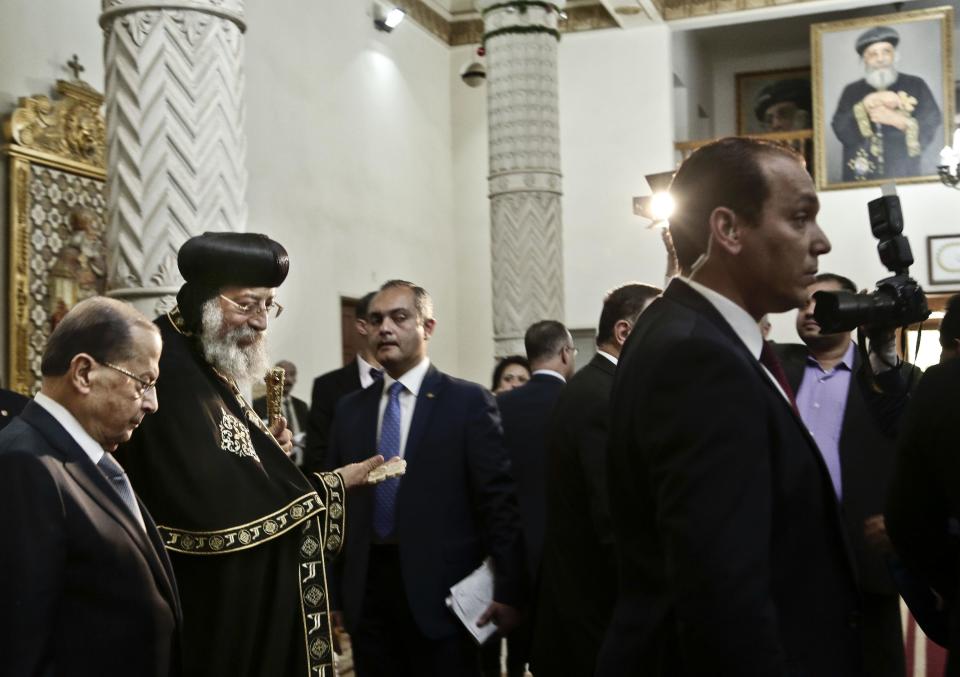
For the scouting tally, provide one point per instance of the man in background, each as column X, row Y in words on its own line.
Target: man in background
column 11, row 404
column 950, row 330
column 328, row 388
column 86, row 585
column 410, row 538
column 525, row 412
column 578, row 576
column 852, row 407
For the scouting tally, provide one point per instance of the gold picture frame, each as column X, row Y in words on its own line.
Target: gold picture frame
column 56, row 158
column 854, row 145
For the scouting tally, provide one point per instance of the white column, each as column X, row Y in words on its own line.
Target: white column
column 176, row 149
column 521, row 38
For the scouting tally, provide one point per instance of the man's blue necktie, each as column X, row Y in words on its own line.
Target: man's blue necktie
column 385, row 493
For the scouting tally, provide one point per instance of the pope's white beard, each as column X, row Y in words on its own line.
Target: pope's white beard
column 880, row 78
column 245, row 365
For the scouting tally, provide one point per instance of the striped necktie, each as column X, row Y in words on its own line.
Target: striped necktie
column 118, row 479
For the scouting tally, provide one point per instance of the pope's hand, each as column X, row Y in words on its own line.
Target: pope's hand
column 282, row 434
column 355, row 474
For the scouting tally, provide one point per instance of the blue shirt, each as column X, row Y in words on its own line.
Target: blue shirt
column 822, row 401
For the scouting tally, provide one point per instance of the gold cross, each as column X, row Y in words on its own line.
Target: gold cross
column 74, row 65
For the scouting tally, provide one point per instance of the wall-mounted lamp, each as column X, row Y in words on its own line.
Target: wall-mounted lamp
column 949, row 167
column 659, row 206
column 387, row 17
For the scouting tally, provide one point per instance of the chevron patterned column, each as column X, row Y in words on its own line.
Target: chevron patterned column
column 176, row 150
column 521, row 38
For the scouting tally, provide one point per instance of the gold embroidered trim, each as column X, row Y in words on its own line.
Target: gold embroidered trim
column 912, row 132
column 863, row 120
column 235, row 437
column 314, row 601
column 336, row 512
column 176, row 319
column 244, row 536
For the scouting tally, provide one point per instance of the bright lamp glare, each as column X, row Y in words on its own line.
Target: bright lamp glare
column 394, row 17
column 661, row 206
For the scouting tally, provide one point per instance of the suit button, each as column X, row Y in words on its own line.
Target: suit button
column 853, row 620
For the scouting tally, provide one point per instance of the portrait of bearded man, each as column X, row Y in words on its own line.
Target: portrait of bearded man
column 887, row 119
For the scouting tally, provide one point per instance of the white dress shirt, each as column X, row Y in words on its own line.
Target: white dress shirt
column 412, row 380
column 744, row 326
column 366, row 379
column 608, row 356
column 549, row 372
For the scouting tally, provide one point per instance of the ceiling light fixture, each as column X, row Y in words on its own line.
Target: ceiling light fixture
column 387, row 18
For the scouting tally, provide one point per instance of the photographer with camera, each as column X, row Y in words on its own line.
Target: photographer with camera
column 851, row 406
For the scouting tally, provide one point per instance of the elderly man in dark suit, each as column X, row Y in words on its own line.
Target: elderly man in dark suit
column 732, row 555
column 409, row 539
column 852, row 408
column 525, row 412
column 578, row 576
column 361, row 372
column 87, row 588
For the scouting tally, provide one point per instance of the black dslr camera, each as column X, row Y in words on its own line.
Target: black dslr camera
column 898, row 301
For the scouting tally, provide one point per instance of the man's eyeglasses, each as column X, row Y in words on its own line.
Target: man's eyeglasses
column 145, row 386
column 270, row 308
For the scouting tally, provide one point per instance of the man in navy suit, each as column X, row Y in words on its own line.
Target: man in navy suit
column 525, row 412
column 361, row 372
column 731, row 549
column 410, row 538
column 87, row 588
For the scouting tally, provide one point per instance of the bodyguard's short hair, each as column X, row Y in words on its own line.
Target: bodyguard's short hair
column 726, row 173
column 99, row 327
column 421, row 298
column 544, row 339
column 623, row 303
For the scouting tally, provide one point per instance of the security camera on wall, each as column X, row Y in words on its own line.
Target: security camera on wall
column 473, row 74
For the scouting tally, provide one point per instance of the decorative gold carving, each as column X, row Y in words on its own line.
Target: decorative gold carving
column 71, row 128
column 274, row 380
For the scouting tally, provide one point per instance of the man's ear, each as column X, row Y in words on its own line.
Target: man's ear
column 726, row 229
column 362, row 328
column 79, row 372
column 621, row 330
column 428, row 327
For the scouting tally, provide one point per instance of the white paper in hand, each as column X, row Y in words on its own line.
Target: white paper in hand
column 470, row 598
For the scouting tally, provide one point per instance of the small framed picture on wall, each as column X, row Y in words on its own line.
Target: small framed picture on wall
column 943, row 259
column 774, row 101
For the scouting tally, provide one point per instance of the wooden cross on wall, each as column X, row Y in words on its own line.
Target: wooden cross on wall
column 74, row 65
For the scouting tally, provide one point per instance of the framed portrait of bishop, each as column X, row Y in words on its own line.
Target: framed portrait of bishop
column 882, row 97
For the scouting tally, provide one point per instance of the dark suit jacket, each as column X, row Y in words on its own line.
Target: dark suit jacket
column 11, row 404
column 525, row 412
column 300, row 410
column 456, row 504
column 733, row 557
column 867, row 450
column 85, row 591
column 578, row 576
column 923, row 508
column 327, row 391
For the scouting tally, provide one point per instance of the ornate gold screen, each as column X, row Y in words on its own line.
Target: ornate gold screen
column 56, row 151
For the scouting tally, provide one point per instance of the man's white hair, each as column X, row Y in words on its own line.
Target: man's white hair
column 221, row 348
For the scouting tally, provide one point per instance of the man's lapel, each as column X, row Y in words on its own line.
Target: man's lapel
column 79, row 466
column 426, row 402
